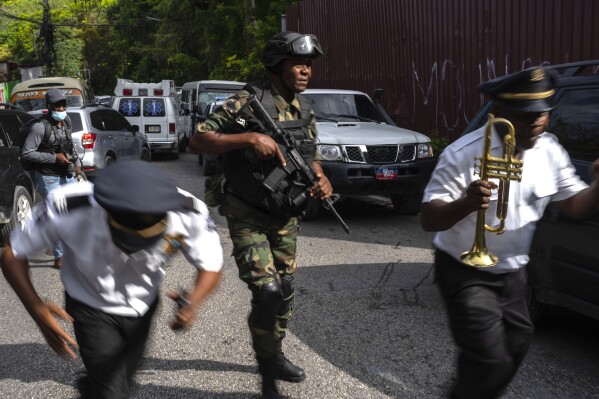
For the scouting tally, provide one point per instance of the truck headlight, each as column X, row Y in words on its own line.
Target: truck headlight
column 425, row 150
column 329, row 152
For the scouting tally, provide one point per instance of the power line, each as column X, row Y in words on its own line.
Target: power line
column 8, row 15
column 138, row 21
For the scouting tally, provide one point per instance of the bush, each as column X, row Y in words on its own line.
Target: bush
column 438, row 142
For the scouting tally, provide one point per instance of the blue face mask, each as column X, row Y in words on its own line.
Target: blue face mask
column 59, row 115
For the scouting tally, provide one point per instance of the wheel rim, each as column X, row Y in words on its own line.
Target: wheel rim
column 23, row 208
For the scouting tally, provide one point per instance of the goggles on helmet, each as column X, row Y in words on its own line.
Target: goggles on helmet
column 304, row 45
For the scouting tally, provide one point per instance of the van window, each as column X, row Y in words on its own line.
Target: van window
column 575, row 121
column 194, row 95
column 154, row 107
column 207, row 97
column 130, row 107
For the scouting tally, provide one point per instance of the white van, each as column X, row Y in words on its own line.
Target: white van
column 155, row 109
column 198, row 95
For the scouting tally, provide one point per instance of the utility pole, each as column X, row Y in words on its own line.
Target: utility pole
column 47, row 32
column 250, row 22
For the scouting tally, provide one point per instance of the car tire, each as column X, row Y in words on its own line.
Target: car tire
column 183, row 144
column 146, row 155
column 109, row 160
column 406, row 204
column 21, row 207
column 209, row 166
column 312, row 210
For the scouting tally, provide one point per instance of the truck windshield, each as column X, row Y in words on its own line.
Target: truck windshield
column 344, row 107
column 35, row 99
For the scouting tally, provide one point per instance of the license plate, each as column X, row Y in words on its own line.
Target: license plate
column 385, row 173
column 153, row 129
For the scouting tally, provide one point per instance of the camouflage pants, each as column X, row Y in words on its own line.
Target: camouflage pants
column 265, row 252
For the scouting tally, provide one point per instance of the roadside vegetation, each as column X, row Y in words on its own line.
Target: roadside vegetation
column 143, row 40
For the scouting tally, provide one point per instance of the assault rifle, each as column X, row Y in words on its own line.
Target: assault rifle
column 295, row 161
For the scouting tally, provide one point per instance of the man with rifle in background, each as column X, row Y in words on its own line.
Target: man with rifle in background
column 263, row 221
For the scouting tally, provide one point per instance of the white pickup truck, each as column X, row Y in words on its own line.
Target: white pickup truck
column 363, row 153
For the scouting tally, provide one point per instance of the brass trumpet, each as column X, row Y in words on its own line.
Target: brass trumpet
column 506, row 169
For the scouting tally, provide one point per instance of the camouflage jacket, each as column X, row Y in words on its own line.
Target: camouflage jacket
column 223, row 121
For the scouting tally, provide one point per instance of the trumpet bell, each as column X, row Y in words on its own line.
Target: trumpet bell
column 479, row 258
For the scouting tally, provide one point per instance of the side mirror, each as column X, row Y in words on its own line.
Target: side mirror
column 135, row 128
column 186, row 112
column 376, row 96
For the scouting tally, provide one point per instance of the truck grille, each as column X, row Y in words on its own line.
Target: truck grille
column 380, row 153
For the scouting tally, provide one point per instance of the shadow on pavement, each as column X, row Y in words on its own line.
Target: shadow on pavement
column 162, row 392
column 31, row 363
column 193, row 364
column 382, row 323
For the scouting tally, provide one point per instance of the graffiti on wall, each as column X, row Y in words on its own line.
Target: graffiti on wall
column 446, row 90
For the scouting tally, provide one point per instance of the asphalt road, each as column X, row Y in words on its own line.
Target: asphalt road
column 369, row 323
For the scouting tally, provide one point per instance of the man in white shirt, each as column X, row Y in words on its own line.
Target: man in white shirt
column 486, row 306
column 117, row 236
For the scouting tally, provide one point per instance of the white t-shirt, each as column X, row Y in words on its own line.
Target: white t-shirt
column 548, row 175
column 94, row 270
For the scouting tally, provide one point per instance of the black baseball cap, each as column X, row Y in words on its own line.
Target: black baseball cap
column 55, row 95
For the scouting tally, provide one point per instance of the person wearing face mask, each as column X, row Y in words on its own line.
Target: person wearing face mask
column 118, row 234
column 49, row 147
column 486, row 300
column 262, row 224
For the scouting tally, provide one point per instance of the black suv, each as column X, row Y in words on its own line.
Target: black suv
column 16, row 185
column 564, row 264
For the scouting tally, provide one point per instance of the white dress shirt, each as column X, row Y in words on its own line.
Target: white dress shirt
column 95, row 271
column 548, row 175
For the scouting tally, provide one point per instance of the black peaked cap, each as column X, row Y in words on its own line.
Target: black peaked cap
column 136, row 187
column 529, row 90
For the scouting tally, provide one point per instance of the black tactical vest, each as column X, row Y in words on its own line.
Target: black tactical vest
column 245, row 172
column 55, row 145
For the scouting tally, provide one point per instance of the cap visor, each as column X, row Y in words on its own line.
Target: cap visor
column 528, row 105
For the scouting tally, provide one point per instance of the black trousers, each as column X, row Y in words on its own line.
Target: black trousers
column 111, row 348
column 490, row 324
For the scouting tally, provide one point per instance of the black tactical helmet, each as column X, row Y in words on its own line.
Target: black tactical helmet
column 290, row 44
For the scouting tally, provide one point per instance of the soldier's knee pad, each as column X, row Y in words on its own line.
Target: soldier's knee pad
column 269, row 297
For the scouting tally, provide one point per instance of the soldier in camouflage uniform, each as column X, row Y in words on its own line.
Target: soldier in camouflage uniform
column 264, row 239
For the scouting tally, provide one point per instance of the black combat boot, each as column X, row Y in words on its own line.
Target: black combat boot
column 268, row 371
column 287, row 371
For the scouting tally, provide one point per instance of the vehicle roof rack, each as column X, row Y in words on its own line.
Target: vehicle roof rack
column 94, row 105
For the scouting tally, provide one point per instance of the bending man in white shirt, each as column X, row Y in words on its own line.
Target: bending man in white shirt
column 118, row 234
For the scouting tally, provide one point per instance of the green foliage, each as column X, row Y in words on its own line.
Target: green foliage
column 438, row 142
column 144, row 40
column 69, row 53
